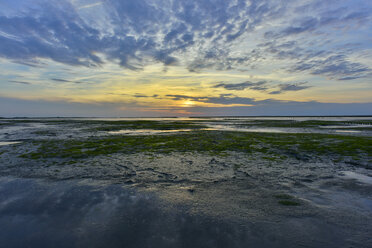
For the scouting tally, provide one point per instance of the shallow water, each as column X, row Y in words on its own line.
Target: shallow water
column 88, row 213
column 357, row 176
column 74, row 127
column 147, row 131
column 347, row 131
column 80, row 214
column 5, row 143
column 345, row 126
column 232, row 128
column 257, row 129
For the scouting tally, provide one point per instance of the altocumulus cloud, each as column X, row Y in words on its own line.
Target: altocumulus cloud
column 19, row 82
column 242, row 86
column 263, row 86
column 290, row 87
column 195, row 34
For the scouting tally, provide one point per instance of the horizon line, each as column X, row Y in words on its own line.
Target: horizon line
column 205, row 116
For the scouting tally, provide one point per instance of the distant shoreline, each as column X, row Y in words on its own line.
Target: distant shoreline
column 180, row 117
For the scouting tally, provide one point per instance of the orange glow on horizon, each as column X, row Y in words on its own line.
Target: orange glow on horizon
column 188, row 103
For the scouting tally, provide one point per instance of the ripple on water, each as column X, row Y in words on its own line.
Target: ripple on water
column 359, row 177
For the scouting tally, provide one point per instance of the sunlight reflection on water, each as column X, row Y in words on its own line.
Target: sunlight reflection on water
column 231, row 128
column 5, row 143
column 147, row 131
column 347, row 131
column 359, row 177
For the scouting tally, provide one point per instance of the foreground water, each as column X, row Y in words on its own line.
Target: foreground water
column 37, row 213
column 186, row 182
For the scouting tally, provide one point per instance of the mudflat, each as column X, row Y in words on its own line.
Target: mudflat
column 186, row 182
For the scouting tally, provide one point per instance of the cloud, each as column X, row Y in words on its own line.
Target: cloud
column 264, row 86
column 90, row 5
column 133, row 32
column 224, row 99
column 19, row 82
column 306, row 25
column 60, row 80
column 333, row 66
column 333, row 17
column 318, row 41
column 349, row 78
column 302, row 37
column 242, row 86
column 58, row 34
column 290, row 87
column 66, row 81
column 165, row 58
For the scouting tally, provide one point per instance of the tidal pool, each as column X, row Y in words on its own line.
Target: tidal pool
column 147, row 131
column 88, row 213
column 5, row 143
column 229, row 127
column 347, row 131
column 345, row 126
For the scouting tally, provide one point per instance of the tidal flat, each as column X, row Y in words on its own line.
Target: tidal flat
column 186, row 182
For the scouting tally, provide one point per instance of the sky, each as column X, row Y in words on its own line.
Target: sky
column 142, row 58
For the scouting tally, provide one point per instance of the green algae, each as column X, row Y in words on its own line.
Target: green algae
column 273, row 147
column 145, row 124
column 287, row 200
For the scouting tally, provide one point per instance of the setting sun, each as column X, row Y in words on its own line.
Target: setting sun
column 188, row 103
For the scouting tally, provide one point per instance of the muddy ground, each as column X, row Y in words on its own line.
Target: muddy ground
column 224, row 182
